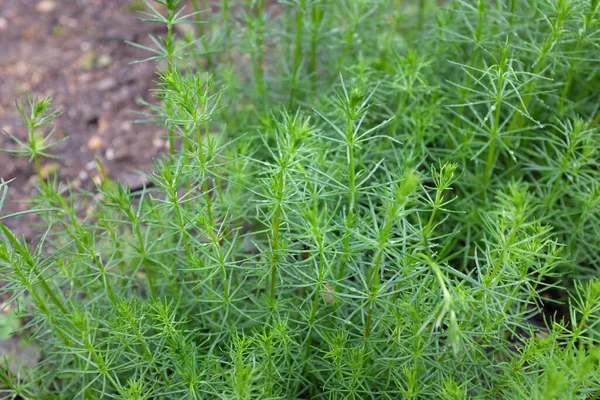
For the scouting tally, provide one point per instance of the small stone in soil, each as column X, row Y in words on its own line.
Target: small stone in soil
column 126, row 126
column 106, row 84
column 158, row 143
column 134, row 181
column 95, row 143
column 104, row 60
column 102, row 124
column 45, row 6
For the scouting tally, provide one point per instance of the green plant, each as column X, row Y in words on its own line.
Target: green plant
column 420, row 220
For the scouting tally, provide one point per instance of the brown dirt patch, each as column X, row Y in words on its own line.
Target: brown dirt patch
column 75, row 51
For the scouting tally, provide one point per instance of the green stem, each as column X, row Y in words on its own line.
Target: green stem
column 383, row 241
column 42, row 306
column 342, row 59
column 29, row 260
column 260, row 49
column 203, row 162
column 374, row 286
column 199, row 23
column 201, row 31
column 401, row 105
column 422, row 4
column 563, row 168
column 226, row 25
column 315, row 302
column 102, row 269
column 169, row 49
column 491, row 157
column 574, row 64
column 503, row 252
column 142, row 251
column 220, row 256
column 351, row 202
column 439, row 197
column 38, row 170
column 180, row 220
column 33, row 147
column 297, row 49
column 314, row 40
column 519, row 118
column 258, row 56
column 595, row 121
column 474, row 57
column 146, row 349
column 513, row 8
column 276, row 222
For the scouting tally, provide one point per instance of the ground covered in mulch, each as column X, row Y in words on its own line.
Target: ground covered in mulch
column 75, row 51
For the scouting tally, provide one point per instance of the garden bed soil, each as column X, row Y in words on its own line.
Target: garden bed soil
column 75, row 52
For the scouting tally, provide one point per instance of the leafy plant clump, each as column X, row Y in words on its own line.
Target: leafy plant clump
column 362, row 199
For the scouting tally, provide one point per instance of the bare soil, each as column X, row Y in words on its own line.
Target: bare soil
column 75, row 52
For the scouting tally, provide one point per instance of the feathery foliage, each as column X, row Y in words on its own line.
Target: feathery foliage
column 362, row 199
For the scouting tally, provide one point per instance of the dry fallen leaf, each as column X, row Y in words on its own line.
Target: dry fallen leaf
column 328, row 293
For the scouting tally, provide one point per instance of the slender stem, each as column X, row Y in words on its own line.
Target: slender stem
column 174, row 197
column 187, row 159
column 491, row 157
column 38, row 170
column 422, row 7
column 203, row 163
column 439, row 197
column 142, row 249
column 276, row 222
column 392, row 33
column 383, row 241
column 563, row 168
column 42, row 306
column 374, row 286
column 209, row 24
column 348, row 45
column 199, row 22
column 170, row 50
column 504, row 251
column 567, row 85
column 226, row 25
column 215, row 237
column 513, row 7
column 403, row 97
column 201, row 31
column 33, row 146
column 297, row 49
column 351, row 202
column 595, row 121
column 259, row 68
column 275, row 257
column 316, row 296
column 489, row 165
column 33, row 265
column 314, row 40
column 550, row 42
column 217, row 179
column 474, row 57
column 102, row 269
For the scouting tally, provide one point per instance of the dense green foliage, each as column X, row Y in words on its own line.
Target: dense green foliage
column 363, row 199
